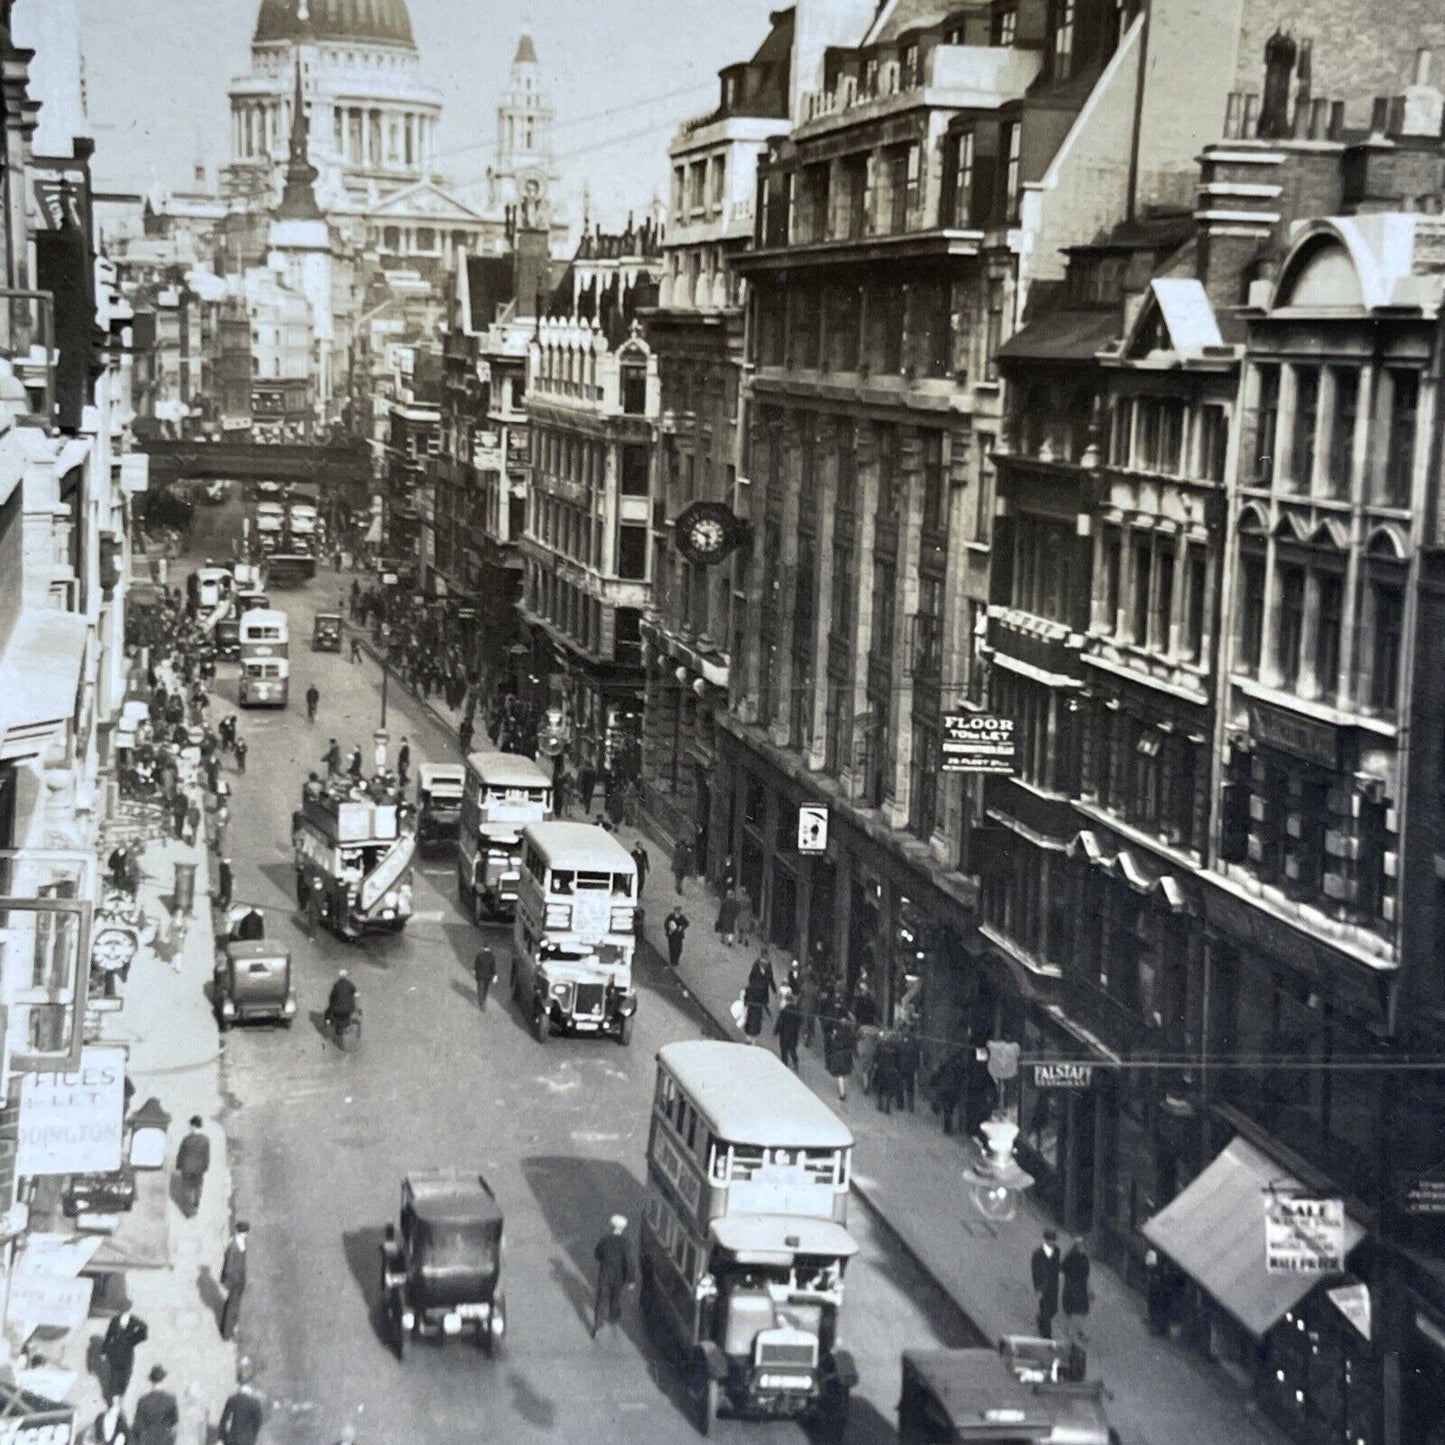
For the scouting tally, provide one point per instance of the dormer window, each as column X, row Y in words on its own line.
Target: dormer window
column 912, row 67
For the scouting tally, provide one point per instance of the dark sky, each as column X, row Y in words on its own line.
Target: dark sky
column 621, row 74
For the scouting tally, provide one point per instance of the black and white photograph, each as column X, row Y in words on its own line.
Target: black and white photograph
column 722, row 721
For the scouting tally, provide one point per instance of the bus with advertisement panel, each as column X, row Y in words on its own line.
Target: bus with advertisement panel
column 501, row 794
column 265, row 643
column 744, row 1239
column 574, row 934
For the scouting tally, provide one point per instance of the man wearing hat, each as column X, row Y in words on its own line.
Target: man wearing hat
column 193, row 1158
column 242, row 1415
column 156, row 1415
column 123, row 1336
column 614, row 1272
column 233, row 1279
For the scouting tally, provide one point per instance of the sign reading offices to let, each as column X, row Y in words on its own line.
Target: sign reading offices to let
column 1303, row 1236
column 71, row 1123
column 974, row 743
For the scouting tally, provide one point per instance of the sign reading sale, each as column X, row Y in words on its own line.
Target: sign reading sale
column 72, row 1123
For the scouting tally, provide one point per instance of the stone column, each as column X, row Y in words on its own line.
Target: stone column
column 956, row 642
column 780, row 729
column 826, row 465
column 1360, row 465
column 910, row 525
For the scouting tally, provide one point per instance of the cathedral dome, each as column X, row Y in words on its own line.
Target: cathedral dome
column 367, row 22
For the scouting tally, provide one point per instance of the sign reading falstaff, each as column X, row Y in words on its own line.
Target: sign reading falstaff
column 1303, row 1236
column 71, row 1123
column 973, row 743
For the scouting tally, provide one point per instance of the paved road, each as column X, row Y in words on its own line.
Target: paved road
column 321, row 1141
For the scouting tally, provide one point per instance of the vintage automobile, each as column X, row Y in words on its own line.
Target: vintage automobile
column 439, row 1266
column 326, row 632
column 111, row 1192
column 252, row 978
column 439, row 803
column 227, row 635
column 979, row 1394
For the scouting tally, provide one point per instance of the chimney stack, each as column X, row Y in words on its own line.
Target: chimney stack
column 1423, row 110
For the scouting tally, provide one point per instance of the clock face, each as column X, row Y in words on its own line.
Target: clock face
column 706, row 535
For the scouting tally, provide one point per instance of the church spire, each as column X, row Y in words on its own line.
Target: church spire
column 298, row 199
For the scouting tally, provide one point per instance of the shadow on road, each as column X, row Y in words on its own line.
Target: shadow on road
column 535, row 1409
column 363, row 1258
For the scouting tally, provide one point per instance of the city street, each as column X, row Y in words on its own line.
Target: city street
column 321, row 1141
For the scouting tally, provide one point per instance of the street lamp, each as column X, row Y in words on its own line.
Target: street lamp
column 995, row 1178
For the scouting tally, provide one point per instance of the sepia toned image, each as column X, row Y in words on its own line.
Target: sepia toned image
column 722, row 721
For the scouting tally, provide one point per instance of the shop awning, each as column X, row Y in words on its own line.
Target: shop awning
column 1214, row 1232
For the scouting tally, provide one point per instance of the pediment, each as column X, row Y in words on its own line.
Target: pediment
column 425, row 202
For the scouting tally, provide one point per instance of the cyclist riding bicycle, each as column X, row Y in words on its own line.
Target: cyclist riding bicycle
column 313, row 699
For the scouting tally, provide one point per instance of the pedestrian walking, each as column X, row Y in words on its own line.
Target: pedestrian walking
column 586, row 786
column 726, row 926
column 484, row 966
column 614, row 1272
column 403, row 760
column 757, row 992
column 356, row 649
column 133, row 868
column 353, row 764
column 561, row 788
column 116, row 864
column 221, row 831
column 681, row 863
column 948, row 1082
column 233, row 1279
column 157, row 1416
column 1159, row 1291
column 313, row 701
column 675, row 926
column 809, row 997
column 466, row 731
column 1044, row 1273
column 839, row 1043
column 125, row 1333
column 643, row 862
column 180, row 806
column 241, row 750
column 788, row 1028
column 111, row 1427
column 885, row 1072
column 747, row 920
column 243, row 1414
column 193, row 823
column 332, row 759
column 910, row 1059
column 1074, row 1295
column 193, row 1158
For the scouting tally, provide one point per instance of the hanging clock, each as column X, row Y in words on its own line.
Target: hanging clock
column 706, row 532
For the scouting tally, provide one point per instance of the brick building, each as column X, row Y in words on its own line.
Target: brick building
column 696, row 333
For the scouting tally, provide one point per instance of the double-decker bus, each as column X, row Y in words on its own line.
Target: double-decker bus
column 501, row 794
column 574, row 934
column 744, row 1241
column 265, row 642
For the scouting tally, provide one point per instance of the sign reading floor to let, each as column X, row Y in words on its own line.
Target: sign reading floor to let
column 974, row 743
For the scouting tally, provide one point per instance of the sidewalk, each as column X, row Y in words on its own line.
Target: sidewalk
column 171, row 1036
column 909, row 1173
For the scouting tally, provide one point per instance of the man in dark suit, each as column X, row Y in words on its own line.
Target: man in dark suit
column 156, row 1414
column 241, row 1418
column 193, row 1158
column 1044, row 1271
column 233, row 1279
column 484, row 966
column 123, row 1336
column 614, row 1273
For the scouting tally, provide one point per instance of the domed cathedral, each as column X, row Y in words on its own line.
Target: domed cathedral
column 372, row 121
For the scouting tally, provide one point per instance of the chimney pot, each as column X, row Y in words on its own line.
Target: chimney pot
column 1422, row 66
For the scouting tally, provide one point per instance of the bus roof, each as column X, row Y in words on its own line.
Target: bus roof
column 755, row 1237
column 264, row 617
column 749, row 1096
column 579, row 845
column 209, row 574
column 508, row 770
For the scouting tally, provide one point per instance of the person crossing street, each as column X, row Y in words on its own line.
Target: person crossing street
column 313, row 701
column 484, row 966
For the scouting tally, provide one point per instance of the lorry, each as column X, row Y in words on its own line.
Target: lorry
column 269, row 525
column 294, row 557
column 354, row 858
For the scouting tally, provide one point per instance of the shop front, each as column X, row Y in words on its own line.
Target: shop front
column 860, row 908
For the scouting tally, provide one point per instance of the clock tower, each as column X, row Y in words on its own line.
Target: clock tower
column 524, row 175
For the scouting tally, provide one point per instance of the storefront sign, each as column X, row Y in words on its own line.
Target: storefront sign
column 49, row 1302
column 72, row 1122
column 1423, row 1195
column 973, row 743
column 54, row 1427
column 812, row 828
column 1063, row 1076
column 1303, row 1236
column 1289, row 732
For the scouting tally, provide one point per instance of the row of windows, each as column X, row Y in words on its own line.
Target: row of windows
column 699, row 187
column 1154, row 592
column 1305, row 431
column 583, row 461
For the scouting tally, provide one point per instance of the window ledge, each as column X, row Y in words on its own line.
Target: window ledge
column 1321, row 711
